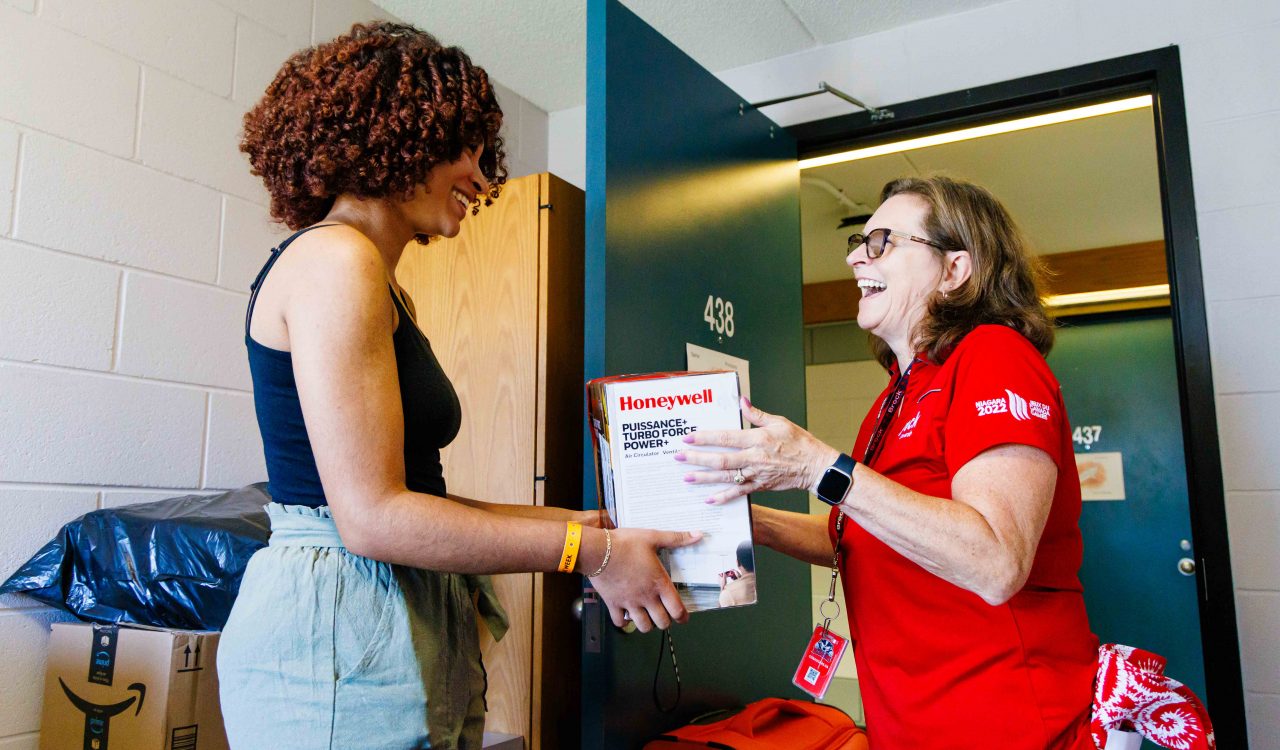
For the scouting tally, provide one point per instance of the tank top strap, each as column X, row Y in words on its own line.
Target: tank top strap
column 266, row 268
column 397, row 300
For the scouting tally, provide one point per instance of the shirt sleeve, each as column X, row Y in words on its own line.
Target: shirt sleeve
column 1003, row 393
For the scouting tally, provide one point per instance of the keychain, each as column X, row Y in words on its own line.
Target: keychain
column 822, row 656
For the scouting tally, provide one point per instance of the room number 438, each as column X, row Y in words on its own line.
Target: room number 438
column 718, row 315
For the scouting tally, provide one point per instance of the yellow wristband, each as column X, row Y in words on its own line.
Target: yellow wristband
column 572, row 541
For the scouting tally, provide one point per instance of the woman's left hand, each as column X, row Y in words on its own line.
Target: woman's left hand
column 777, row 456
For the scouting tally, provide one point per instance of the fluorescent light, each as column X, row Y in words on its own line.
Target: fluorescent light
column 1109, row 295
column 981, row 131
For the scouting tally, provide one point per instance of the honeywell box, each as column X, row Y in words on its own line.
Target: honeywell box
column 111, row 687
column 638, row 424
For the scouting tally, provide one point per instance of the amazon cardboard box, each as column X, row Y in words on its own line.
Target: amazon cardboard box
column 129, row 687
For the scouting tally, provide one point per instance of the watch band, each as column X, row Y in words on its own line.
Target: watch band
column 845, row 464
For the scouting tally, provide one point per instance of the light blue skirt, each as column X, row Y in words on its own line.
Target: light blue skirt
column 329, row 650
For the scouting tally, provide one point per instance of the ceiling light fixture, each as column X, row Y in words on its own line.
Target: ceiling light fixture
column 1155, row 291
column 981, row 131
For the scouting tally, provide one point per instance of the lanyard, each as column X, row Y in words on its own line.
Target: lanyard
column 888, row 409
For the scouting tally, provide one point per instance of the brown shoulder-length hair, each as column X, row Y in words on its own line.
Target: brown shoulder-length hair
column 369, row 113
column 1003, row 288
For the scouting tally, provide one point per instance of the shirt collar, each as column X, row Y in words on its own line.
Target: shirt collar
column 920, row 362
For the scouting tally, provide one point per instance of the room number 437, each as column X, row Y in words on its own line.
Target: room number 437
column 718, row 315
column 1086, row 435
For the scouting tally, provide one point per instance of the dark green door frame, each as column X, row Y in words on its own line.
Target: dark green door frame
column 1159, row 73
column 689, row 200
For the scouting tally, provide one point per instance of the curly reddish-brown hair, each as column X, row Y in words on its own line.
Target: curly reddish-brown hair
column 369, row 114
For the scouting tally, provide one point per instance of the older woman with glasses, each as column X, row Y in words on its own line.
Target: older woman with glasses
column 955, row 516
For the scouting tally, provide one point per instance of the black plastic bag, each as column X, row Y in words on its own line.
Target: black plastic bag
column 174, row 563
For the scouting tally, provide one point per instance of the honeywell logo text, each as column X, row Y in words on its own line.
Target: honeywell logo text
column 627, row 403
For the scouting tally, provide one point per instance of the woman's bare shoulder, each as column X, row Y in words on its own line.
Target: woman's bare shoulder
column 337, row 271
column 336, row 250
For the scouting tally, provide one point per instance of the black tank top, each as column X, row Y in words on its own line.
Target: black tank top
column 432, row 414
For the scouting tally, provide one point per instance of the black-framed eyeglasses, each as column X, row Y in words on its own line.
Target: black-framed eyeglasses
column 878, row 239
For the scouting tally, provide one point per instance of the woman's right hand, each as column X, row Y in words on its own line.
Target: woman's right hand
column 635, row 584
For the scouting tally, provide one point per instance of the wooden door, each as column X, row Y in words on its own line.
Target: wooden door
column 502, row 305
column 477, row 301
column 557, row 634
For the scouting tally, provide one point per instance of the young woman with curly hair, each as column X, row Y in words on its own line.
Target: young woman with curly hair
column 356, row 626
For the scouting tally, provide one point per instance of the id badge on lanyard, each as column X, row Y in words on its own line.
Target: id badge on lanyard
column 825, row 650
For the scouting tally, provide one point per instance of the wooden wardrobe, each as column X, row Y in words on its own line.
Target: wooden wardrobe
column 502, row 304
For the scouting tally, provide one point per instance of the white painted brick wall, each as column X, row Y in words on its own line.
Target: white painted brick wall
column 69, row 427
column 195, row 135
column 8, row 174
column 1261, row 337
column 248, row 234
column 1259, row 624
column 44, row 84
column 1248, row 452
column 234, row 453
column 25, row 636
column 1235, row 161
column 75, row 199
column 336, row 17
column 1249, row 269
column 117, row 498
column 1230, row 74
column 130, row 230
column 192, row 39
column 259, row 52
column 43, row 512
column 179, row 331
column 1264, row 720
column 291, row 18
column 55, row 308
column 1255, row 557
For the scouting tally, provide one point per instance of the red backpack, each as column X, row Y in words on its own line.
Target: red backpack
column 770, row 724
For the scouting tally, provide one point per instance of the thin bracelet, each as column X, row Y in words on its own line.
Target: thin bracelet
column 572, row 540
column 608, row 550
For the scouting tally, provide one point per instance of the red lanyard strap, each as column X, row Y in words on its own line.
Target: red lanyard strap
column 888, row 409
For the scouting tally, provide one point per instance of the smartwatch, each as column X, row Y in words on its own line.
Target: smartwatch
column 836, row 480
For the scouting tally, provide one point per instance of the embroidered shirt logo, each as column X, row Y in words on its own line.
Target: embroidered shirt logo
column 991, row 406
column 909, row 427
column 1018, row 407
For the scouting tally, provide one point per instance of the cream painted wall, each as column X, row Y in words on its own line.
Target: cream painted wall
column 130, row 229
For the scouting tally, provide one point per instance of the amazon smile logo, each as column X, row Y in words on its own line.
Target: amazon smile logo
column 97, row 717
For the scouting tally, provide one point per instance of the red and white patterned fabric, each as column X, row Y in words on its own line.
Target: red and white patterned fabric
column 1133, row 694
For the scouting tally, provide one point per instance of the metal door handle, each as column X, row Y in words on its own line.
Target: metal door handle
column 590, row 608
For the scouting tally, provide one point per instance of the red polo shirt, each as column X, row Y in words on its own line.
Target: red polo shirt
column 939, row 667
